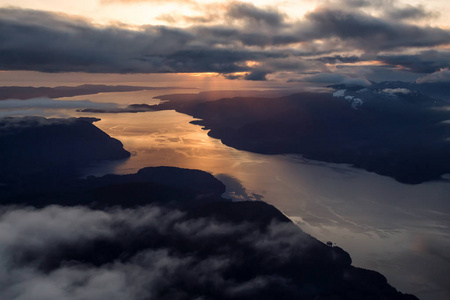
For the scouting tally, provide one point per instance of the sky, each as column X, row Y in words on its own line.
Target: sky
column 255, row 42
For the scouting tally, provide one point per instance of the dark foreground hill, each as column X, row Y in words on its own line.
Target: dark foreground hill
column 166, row 233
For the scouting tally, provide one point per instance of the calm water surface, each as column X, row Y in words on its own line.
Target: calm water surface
column 399, row 230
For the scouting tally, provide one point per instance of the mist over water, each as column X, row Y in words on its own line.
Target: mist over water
column 399, row 230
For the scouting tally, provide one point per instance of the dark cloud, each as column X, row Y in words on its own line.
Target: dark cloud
column 410, row 12
column 48, row 42
column 238, row 37
column 209, row 60
column 424, row 62
column 338, row 59
column 393, row 9
column 370, row 33
column 333, row 78
column 233, row 76
column 257, row 75
column 364, row 3
column 254, row 15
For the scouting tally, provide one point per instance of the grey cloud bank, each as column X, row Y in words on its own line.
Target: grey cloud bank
column 48, row 42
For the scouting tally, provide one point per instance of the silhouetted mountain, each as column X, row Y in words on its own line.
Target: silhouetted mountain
column 393, row 132
column 157, row 184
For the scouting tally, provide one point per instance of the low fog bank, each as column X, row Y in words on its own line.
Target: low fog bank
column 161, row 252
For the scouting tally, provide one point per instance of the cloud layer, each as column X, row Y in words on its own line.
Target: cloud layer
column 243, row 41
column 442, row 75
column 55, row 253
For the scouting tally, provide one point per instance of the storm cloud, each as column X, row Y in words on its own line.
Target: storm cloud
column 333, row 78
column 253, row 14
column 424, row 62
column 363, row 31
column 243, row 33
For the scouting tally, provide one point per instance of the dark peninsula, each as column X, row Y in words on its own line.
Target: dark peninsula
column 190, row 99
column 394, row 132
column 37, row 150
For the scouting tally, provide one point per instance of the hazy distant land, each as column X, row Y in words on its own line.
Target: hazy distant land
column 28, row 92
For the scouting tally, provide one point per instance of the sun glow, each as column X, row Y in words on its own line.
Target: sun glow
column 252, row 63
column 204, row 74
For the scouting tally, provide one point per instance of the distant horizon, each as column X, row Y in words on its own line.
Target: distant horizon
column 158, row 81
